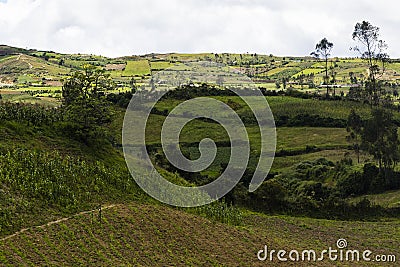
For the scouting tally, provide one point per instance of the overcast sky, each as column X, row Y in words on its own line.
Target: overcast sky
column 117, row 27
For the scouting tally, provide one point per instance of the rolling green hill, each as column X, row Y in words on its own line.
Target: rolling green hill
column 20, row 68
column 65, row 200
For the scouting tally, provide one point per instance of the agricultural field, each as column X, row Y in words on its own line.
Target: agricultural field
column 75, row 203
column 121, row 237
column 275, row 71
column 45, row 99
column 137, row 68
column 388, row 199
column 160, row 65
column 291, row 106
column 50, row 69
column 309, row 71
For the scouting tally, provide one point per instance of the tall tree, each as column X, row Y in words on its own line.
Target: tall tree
column 84, row 102
column 354, row 128
column 133, row 85
column 333, row 74
column 323, row 50
column 380, row 138
column 285, row 80
column 300, row 78
column 371, row 49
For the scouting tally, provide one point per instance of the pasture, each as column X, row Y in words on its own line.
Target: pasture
column 137, row 68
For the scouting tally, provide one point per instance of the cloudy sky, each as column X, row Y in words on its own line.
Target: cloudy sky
column 118, row 27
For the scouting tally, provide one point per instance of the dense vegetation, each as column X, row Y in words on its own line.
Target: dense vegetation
column 318, row 187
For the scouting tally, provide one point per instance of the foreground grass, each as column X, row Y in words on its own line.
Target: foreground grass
column 151, row 235
column 138, row 235
column 301, row 233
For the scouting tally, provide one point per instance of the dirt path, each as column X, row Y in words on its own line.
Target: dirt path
column 56, row 222
column 30, row 65
column 24, row 60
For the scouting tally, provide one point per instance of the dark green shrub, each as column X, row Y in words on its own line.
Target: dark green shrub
column 313, row 189
column 270, row 195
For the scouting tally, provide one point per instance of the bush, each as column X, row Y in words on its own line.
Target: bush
column 309, row 120
column 312, row 189
column 352, row 184
column 316, row 170
column 269, row 196
column 121, row 99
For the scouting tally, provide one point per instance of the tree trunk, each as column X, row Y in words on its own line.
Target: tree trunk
column 326, row 77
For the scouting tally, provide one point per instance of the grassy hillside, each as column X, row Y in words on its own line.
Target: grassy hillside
column 53, row 180
column 387, row 199
column 150, row 235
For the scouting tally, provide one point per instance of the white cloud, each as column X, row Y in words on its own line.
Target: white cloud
column 116, row 28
